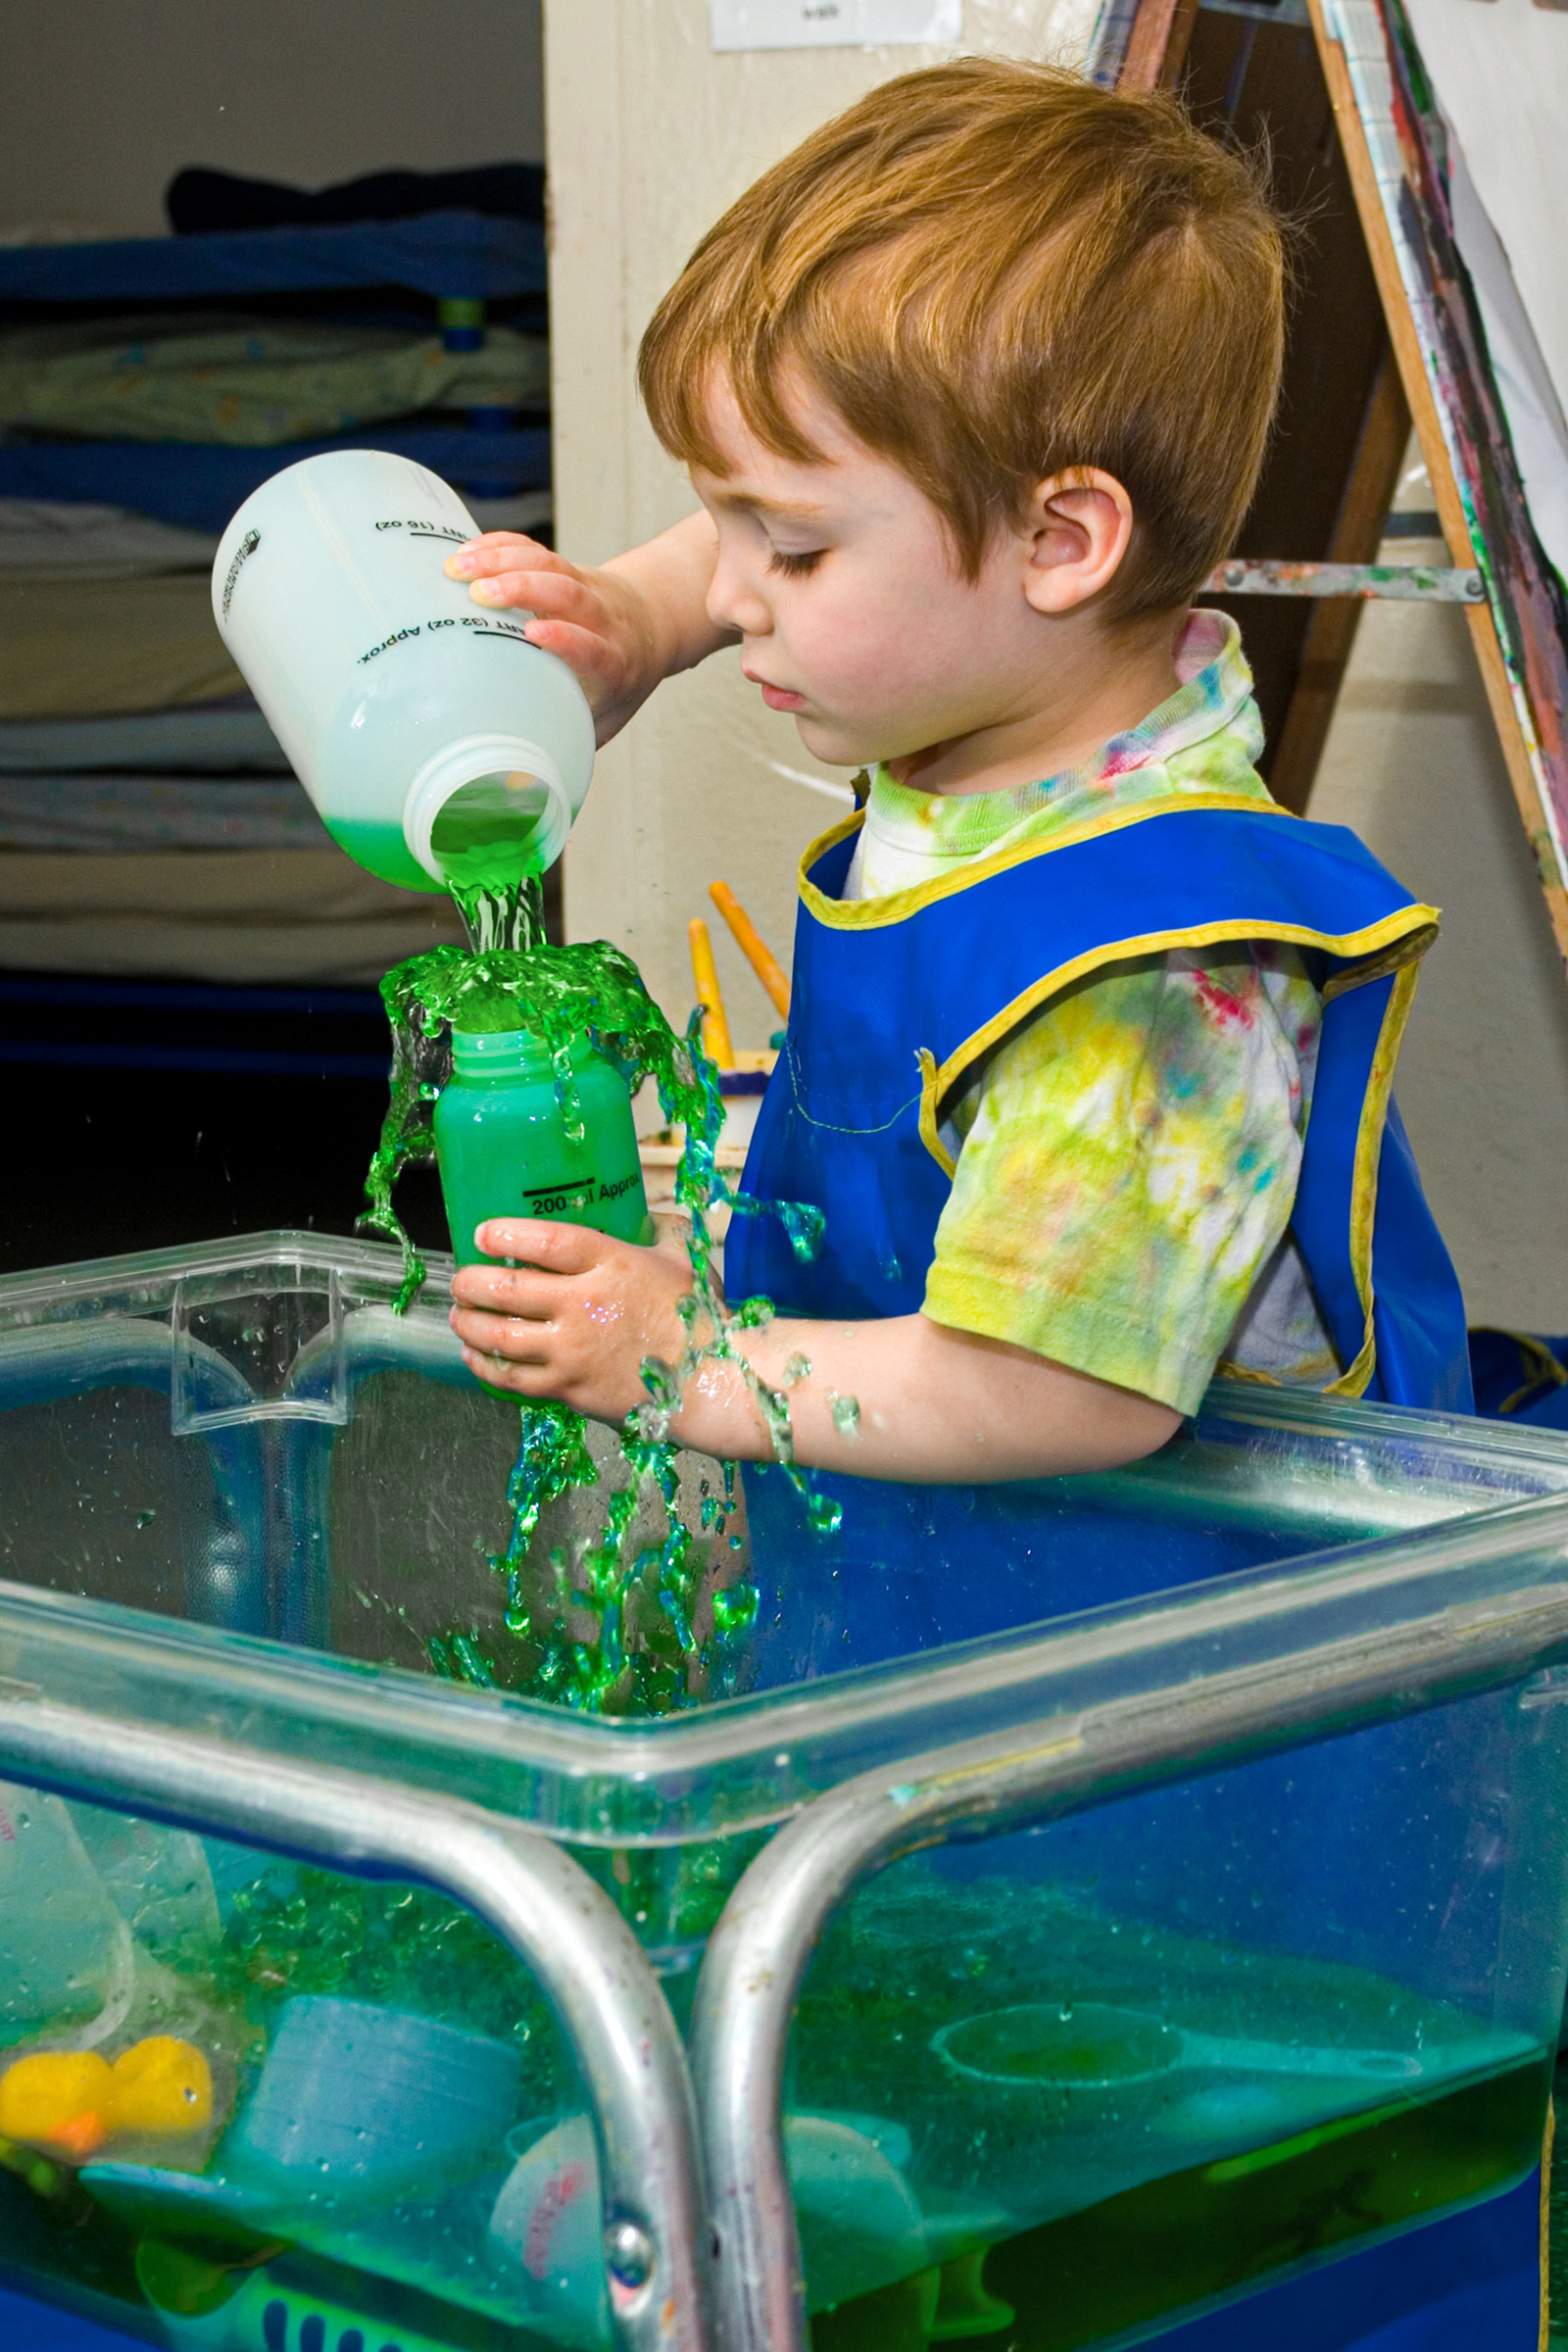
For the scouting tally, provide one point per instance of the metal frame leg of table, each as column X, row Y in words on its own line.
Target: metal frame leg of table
column 588, row 1963
column 758, row 1952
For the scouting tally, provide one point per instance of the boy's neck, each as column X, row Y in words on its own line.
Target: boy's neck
column 1098, row 684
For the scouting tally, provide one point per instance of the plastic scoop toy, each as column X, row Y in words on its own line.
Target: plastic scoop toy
column 1093, row 2047
column 356, row 2108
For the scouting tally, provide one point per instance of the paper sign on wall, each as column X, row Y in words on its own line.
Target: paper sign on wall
column 833, row 24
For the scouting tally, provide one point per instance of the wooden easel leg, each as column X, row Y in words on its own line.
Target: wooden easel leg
column 1368, row 496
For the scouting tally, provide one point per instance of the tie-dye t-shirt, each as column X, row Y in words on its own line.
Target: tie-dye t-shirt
column 1127, row 1158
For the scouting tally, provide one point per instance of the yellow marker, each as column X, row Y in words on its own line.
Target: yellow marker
column 757, row 954
column 715, row 1027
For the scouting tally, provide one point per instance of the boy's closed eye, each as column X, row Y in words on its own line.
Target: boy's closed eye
column 795, row 565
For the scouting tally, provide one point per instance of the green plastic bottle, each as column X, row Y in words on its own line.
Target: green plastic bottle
column 502, row 1147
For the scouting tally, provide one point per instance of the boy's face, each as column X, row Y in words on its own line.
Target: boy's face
column 844, row 587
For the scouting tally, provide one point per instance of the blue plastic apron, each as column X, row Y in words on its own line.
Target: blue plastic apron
column 895, row 999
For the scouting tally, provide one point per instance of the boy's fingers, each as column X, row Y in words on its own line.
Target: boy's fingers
column 534, row 1298
column 599, row 666
column 518, row 1341
column 501, row 551
column 500, row 1372
column 555, row 595
column 560, row 1248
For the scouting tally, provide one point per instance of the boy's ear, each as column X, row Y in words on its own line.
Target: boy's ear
column 1078, row 527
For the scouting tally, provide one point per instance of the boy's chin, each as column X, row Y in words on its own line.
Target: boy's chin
column 834, row 746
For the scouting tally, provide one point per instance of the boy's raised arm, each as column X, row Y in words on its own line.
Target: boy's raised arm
column 620, row 627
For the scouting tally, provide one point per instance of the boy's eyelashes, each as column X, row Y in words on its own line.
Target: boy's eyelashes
column 793, row 566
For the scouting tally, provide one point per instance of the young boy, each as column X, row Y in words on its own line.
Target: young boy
column 974, row 388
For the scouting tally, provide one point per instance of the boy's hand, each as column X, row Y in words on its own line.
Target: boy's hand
column 596, row 623
column 619, row 630
column 575, row 1320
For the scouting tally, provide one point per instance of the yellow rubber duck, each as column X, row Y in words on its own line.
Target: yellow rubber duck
column 74, row 2101
column 160, row 2085
column 58, row 2099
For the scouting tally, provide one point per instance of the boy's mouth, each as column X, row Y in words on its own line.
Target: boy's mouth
column 778, row 698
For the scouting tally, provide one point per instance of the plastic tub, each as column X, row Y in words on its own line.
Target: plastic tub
column 1286, row 1982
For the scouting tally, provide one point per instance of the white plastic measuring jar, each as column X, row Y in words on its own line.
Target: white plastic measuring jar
column 430, row 734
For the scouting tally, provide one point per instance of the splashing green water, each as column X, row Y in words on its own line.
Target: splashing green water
column 513, row 979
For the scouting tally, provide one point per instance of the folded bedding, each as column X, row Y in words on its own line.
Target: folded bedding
column 204, row 738
column 74, row 539
column 250, row 383
column 201, row 202
column 82, row 649
column 97, row 623
column 283, row 916
column 43, row 538
column 157, row 811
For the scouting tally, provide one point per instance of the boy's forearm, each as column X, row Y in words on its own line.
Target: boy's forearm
column 670, row 576
column 930, row 1405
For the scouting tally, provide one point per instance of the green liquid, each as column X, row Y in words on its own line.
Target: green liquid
column 487, row 835
column 513, row 979
column 1145, row 2257
column 1099, row 2199
column 383, row 851
column 908, row 1956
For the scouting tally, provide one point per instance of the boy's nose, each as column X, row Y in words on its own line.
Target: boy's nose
column 733, row 603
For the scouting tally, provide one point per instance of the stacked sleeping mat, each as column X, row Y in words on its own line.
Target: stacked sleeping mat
column 149, row 824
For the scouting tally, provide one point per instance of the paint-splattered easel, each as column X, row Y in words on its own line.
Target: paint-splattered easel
column 1383, row 336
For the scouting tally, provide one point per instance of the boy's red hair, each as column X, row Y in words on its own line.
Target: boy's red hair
column 997, row 272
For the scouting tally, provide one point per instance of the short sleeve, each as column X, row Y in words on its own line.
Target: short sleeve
column 1128, row 1165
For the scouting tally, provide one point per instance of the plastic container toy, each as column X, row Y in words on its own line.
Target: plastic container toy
column 505, row 1148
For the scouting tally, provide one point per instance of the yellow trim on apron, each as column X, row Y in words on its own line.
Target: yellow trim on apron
column 930, row 1098
column 1399, row 939
column 1364, row 1181
column 869, row 914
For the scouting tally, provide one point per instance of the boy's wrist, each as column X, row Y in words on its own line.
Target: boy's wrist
column 719, row 1412
column 664, row 585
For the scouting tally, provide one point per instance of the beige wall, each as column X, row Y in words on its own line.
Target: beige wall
column 650, row 137
column 102, row 101
column 1412, row 765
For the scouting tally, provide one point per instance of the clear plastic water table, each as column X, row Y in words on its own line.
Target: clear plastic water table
column 1171, row 1859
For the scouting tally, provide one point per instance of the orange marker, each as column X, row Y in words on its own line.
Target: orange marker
column 763, row 961
column 715, row 1027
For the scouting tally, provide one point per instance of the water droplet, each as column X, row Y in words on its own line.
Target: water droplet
column 628, row 2255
